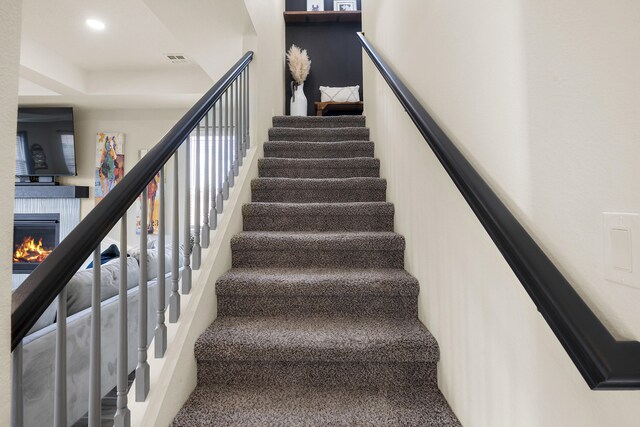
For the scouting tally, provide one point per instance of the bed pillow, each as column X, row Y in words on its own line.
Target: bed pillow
column 340, row 94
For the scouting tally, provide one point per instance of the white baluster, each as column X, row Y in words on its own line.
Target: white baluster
column 60, row 395
column 186, row 271
column 160, row 337
column 213, row 214
column 95, row 395
column 174, row 298
column 142, row 370
column 196, row 254
column 206, row 231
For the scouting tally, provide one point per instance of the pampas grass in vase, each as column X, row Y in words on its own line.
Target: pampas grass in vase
column 299, row 65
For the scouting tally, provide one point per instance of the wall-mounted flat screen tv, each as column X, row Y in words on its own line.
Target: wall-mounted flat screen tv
column 45, row 142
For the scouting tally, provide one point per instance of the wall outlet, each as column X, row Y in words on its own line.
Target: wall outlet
column 622, row 248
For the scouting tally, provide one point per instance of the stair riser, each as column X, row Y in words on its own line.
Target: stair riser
column 316, row 374
column 314, row 305
column 280, row 172
column 318, row 196
column 315, row 152
column 319, row 135
column 248, row 258
column 313, row 122
column 318, row 223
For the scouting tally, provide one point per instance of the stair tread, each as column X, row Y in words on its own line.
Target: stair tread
column 338, row 163
column 327, row 150
column 308, row 240
column 343, row 144
column 317, row 339
column 320, row 217
column 325, row 183
column 319, row 168
column 323, row 209
column 319, row 190
column 316, row 282
column 315, row 406
column 319, row 134
column 318, row 121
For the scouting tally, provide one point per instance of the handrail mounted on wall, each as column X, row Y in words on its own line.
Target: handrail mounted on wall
column 604, row 362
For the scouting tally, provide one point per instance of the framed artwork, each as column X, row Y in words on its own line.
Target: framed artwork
column 153, row 205
column 109, row 162
column 345, row 5
column 315, row 5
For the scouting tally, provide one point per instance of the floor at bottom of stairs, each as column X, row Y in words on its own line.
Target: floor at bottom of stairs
column 304, row 406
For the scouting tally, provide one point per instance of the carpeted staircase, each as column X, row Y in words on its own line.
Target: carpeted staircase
column 317, row 320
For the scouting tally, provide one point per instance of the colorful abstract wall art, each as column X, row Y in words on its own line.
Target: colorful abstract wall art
column 109, row 162
column 153, row 205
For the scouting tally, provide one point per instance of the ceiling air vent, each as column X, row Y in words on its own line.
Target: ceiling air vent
column 176, row 58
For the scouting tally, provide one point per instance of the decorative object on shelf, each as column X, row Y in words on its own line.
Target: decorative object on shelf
column 299, row 65
column 345, row 5
column 39, row 157
column 315, row 5
column 340, row 94
column 324, row 17
column 109, row 162
column 153, row 204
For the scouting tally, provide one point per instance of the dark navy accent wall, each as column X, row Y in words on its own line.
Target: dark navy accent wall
column 334, row 50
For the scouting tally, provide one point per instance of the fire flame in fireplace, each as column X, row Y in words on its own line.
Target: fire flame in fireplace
column 30, row 251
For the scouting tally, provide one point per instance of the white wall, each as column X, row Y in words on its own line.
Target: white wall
column 583, row 88
column 268, row 66
column 542, row 97
column 10, row 52
column 143, row 129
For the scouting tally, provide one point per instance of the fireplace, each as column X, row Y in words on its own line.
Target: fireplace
column 34, row 237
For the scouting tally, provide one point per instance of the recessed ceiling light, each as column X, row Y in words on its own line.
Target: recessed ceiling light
column 94, row 24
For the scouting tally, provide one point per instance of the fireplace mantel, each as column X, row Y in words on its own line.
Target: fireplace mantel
column 51, row 192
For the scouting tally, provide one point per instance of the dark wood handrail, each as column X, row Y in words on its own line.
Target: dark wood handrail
column 42, row 286
column 603, row 362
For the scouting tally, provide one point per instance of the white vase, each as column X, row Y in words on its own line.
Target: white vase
column 298, row 105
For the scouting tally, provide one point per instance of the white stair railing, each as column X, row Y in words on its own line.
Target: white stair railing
column 220, row 121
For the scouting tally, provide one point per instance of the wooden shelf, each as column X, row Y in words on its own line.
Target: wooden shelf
column 303, row 17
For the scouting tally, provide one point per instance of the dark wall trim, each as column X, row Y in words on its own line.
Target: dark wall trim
column 604, row 362
column 39, row 290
